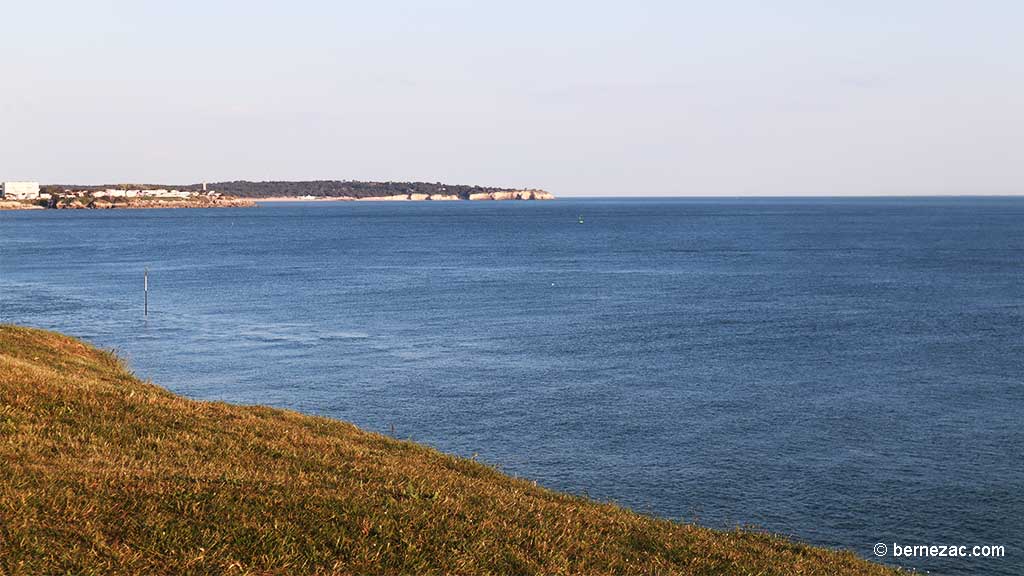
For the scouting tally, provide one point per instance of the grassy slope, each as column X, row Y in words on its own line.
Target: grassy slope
column 101, row 473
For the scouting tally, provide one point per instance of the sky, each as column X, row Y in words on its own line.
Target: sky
column 589, row 98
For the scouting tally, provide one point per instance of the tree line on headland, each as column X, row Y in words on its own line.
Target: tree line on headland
column 319, row 188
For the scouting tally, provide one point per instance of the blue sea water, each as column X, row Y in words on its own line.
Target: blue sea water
column 844, row 371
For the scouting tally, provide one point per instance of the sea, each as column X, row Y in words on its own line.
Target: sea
column 844, row 371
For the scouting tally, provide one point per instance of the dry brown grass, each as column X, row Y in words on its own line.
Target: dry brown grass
column 101, row 473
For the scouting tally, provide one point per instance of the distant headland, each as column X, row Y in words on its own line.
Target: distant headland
column 356, row 190
column 242, row 193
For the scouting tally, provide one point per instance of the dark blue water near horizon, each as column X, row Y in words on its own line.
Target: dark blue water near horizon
column 844, row 371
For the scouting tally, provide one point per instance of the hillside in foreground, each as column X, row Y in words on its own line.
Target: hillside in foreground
column 105, row 474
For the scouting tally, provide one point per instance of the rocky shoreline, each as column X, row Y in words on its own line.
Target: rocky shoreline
column 134, row 204
column 190, row 203
column 15, row 205
column 105, row 203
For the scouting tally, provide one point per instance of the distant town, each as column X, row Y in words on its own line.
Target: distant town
column 30, row 195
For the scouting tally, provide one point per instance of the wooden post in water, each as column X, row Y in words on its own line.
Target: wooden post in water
column 145, row 291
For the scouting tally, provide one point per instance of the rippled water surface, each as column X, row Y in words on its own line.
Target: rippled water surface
column 844, row 371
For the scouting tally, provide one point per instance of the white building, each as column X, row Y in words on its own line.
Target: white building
column 19, row 190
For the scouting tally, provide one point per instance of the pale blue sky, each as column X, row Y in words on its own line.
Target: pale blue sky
column 580, row 98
